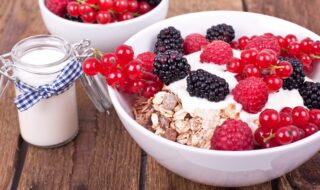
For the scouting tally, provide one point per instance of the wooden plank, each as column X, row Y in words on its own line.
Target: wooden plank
column 157, row 177
column 305, row 14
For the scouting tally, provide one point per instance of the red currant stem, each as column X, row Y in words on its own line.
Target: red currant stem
column 272, row 135
column 94, row 6
column 97, row 53
column 136, row 14
column 312, row 56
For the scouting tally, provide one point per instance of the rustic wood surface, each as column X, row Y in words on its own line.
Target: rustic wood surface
column 104, row 156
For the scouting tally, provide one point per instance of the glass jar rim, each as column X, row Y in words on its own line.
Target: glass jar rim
column 63, row 42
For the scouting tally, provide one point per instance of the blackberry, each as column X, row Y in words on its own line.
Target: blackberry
column 169, row 39
column 72, row 18
column 203, row 84
column 170, row 66
column 297, row 77
column 153, row 2
column 222, row 32
column 310, row 93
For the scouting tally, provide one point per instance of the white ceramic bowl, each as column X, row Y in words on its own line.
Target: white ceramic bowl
column 104, row 37
column 219, row 168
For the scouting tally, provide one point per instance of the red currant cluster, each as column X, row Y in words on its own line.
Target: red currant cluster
column 287, row 126
column 307, row 50
column 107, row 11
column 125, row 73
column 263, row 64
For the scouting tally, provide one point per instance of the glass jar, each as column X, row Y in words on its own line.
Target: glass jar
column 39, row 61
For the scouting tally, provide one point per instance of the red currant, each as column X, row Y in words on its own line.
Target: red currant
column 125, row 16
column 302, row 134
column 316, row 48
column 284, row 135
column 269, row 34
column 91, row 66
column 306, row 45
column 273, row 54
column 289, row 39
column 261, row 135
column 92, row 1
column 105, row 5
column 314, row 116
column 235, row 65
column 104, row 17
column 285, row 119
column 133, row 6
column 264, row 60
column 248, row 56
column 269, row 118
column 88, row 14
column 294, row 48
column 73, row 8
column 144, row 7
column 300, row 116
column 150, row 90
column 286, row 110
column 85, row 9
column 116, row 78
column 120, row 6
column 284, row 69
column 109, row 61
column 310, row 129
column 281, row 41
column 125, row 54
column 133, row 70
column 295, row 132
column 305, row 60
column 137, row 86
column 271, row 143
column 251, row 71
column 243, row 41
column 273, row 82
column 234, row 45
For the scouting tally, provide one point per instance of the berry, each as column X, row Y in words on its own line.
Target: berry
column 296, row 79
column 243, row 41
column 116, row 78
column 147, row 59
column 251, row 93
column 72, row 18
column 169, row 39
column 125, row 16
column 273, row 82
column 232, row 135
column 305, row 60
column 306, row 45
column 316, row 48
column 136, row 87
column 151, row 89
column 88, row 14
column 105, row 5
column 56, row 6
column 194, row 42
column 284, row 69
column 295, row 132
column 91, row 66
column 153, row 2
column 203, row 84
column 271, row 143
column 120, row 6
column 248, row 56
column 264, row 59
column 285, row 119
column 287, row 110
column 235, row 65
column 125, row 54
column 218, row 52
column 104, row 17
column 314, row 116
column 310, row 129
column 109, row 62
column 222, row 32
column 281, row 41
column 310, row 93
column 251, row 70
column 262, row 135
column 171, row 66
column 294, row 48
column 269, row 118
column 144, row 7
column 300, row 116
column 133, row 70
column 288, row 39
column 264, row 42
column 284, row 135
column 73, row 8
column 133, row 6
column 234, row 45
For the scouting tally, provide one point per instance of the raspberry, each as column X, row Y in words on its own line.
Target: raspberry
column 264, row 42
column 147, row 59
column 194, row 42
column 252, row 94
column 203, row 84
column 232, row 135
column 218, row 52
column 57, row 6
column 222, row 32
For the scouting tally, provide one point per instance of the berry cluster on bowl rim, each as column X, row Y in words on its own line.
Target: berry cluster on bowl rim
column 100, row 11
column 266, row 65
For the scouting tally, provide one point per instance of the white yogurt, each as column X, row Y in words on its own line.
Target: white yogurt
column 52, row 121
column 276, row 101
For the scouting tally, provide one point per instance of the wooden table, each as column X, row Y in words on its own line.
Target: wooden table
column 104, row 156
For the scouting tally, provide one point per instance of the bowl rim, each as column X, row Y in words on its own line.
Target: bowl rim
column 163, row 4
column 121, row 111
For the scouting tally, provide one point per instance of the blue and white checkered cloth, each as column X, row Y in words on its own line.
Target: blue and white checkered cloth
column 31, row 95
